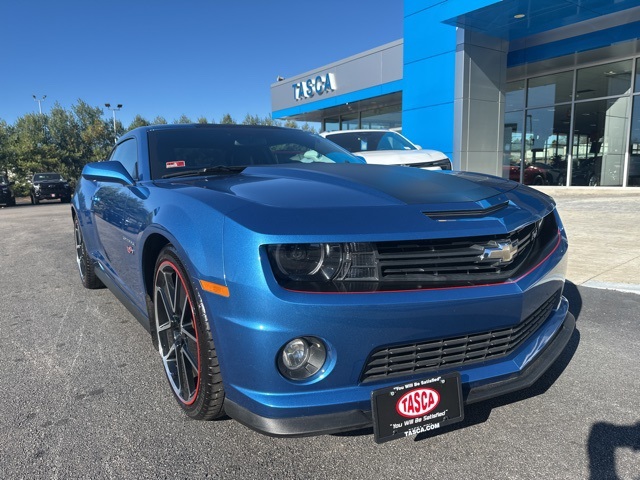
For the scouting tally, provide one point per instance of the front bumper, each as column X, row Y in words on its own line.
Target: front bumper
column 7, row 198
column 359, row 419
column 49, row 195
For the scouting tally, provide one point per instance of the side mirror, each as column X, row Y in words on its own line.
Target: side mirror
column 111, row 171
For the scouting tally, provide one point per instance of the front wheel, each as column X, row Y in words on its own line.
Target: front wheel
column 85, row 265
column 184, row 340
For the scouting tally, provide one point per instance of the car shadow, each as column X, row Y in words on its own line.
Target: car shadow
column 603, row 441
column 572, row 294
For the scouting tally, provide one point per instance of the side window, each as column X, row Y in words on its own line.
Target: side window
column 127, row 154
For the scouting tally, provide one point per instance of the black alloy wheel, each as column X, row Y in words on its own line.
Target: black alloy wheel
column 184, row 340
column 85, row 265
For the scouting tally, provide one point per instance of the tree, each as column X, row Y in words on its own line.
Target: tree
column 138, row 121
column 252, row 120
column 6, row 157
column 203, row 120
column 227, row 119
column 159, row 120
column 183, row 119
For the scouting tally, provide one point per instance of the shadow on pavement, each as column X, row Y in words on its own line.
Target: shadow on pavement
column 604, row 439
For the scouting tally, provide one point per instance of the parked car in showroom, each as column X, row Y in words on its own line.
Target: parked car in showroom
column 386, row 147
column 49, row 186
column 534, row 174
column 301, row 292
column 7, row 196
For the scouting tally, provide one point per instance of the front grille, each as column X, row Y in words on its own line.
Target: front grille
column 439, row 263
column 462, row 261
column 409, row 359
column 52, row 188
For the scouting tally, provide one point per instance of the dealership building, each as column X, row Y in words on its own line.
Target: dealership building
column 544, row 91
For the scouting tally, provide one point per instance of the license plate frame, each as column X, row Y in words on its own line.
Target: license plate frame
column 416, row 406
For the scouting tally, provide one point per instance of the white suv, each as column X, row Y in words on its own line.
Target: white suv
column 386, row 147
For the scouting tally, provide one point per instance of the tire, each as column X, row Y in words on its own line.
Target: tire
column 593, row 181
column 85, row 265
column 65, row 200
column 184, row 340
column 538, row 180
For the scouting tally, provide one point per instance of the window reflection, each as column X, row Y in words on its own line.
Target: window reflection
column 514, row 96
column 546, row 145
column 604, row 80
column 599, row 142
column 331, row 124
column 550, row 89
column 385, row 117
column 633, row 173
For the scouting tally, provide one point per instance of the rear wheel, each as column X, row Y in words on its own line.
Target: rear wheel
column 85, row 265
column 184, row 340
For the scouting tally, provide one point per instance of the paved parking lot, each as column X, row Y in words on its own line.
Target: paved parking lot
column 84, row 393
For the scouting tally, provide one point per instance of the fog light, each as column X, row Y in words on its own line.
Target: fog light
column 295, row 354
column 301, row 358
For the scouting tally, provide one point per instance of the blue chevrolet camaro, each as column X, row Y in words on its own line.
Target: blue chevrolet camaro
column 300, row 291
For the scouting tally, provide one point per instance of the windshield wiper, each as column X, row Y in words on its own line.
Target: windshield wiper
column 206, row 170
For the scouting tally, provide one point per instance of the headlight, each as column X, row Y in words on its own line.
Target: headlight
column 323, row 262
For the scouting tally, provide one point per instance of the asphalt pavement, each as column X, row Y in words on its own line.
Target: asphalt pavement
column 84, row 393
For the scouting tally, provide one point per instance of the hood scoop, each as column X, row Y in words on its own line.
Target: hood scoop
column 458, row 214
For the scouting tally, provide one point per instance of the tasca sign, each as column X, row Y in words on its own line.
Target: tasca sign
column 314, row 86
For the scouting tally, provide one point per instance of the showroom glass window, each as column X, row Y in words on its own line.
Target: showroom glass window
column 331, row 124
column 633, row 169
column 127, row 154
column 513, row 129
column 600, row 126
column 547, row 125
column 382, row 118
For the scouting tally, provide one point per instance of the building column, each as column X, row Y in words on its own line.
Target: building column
column 481, row 67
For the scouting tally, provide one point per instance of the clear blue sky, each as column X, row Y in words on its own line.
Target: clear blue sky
column 168, row 58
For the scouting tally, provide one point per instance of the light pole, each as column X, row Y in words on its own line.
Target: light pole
column 117, row 107
column 39, row 100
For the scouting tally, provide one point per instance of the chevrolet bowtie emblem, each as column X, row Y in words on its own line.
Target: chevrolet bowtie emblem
column 503, row 252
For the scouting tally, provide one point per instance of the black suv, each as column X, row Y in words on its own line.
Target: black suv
column 49, row 186
column 6, row 192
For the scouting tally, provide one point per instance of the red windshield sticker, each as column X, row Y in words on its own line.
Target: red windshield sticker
column 176, row 163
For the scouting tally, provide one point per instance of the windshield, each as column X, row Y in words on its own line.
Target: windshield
column 44, row 177
column 371, row 141
column 187, row 149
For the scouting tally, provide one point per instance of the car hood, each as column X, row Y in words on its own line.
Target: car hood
column 342, row 200
column 347, row 185
column 401, row 157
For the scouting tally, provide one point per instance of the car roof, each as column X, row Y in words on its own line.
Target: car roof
column 361, row 130
column 182, row 126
